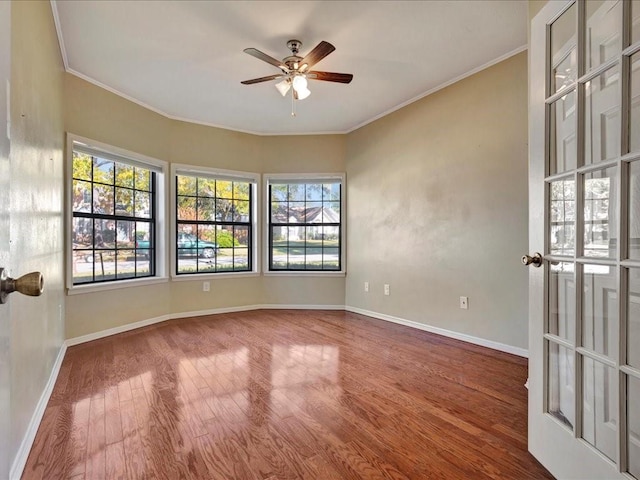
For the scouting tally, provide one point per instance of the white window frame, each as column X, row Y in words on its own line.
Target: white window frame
column 160, row 167
column 233, row 175
column 304, row 178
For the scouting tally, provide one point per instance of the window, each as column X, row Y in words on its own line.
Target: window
column 114, row 221
column 214, row 227
column 304, row 222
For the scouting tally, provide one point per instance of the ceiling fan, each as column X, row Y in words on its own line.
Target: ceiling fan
column 295, row 70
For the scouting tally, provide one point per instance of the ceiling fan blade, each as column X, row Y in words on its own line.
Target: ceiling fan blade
column 262, row 79
column 314, row 56
column 254, row 52
column 330, row 77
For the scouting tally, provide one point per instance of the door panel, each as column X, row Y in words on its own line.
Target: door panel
column 584, row 401
column 5, row 54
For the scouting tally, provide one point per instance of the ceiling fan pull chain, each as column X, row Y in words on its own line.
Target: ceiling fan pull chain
column 293, row 105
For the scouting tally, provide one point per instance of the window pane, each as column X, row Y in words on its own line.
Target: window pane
column 104, row 264
column 314, row 192
column 560, row 381
column 142, row 179
column 186, row 185
column 125, row 234
column 143, row 263
column 124, row 201
column 562, row 134
column 103, row 171
column 241, row 210
column 241, row 190
column 126, row 263
column 562, row 300
column 143, row 204
column 296, row 192
column 124, row 175
column 103, row 199
column 224, row 189
column 602, row 117
column 633, row 425
column 600, row 221
column 206, row 187
column 634, row 211
column 206, row 209
column 603, row 33
column 599, row 406
column 600, row 309
column 633, row 321
column 634, row 120
column 104, row 234
column 81, row 166
column 81, row 196
column 186, row 208
column 331, row 257
column 186, row 246
column 563, row 57
column 562, row 234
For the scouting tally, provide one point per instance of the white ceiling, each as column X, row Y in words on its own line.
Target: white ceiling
column 185, row 59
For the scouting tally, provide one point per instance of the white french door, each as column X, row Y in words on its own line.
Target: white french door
column 584, row 184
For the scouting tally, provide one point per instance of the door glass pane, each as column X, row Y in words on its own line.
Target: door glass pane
column 634, row 211
column 635, row 21
column 562, row 134
column 599, row 406
column 600, row 213
column 562, row 205
column 563, row 56
column 633, row 425
column 604, row 26
column 634, row 111
column 602, row 117
column 599, row 308
column 560, row 378
column 633, row 322
column 562, row 300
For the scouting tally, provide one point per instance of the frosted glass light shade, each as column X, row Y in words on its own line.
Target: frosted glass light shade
column 283, row 86
column 299, row 83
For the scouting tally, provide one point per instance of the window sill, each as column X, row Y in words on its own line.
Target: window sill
column 211, row 276
column 101, row 287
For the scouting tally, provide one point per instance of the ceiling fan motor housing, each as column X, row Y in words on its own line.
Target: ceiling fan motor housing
column 294, row 46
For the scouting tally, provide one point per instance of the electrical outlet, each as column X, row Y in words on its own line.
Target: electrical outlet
column 464, row 303
column 206, row 286
column 387, row 290
column 366, row 286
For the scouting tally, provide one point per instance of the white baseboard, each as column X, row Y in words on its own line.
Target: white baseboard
column 20, row 459
column 521, row 352
column 113, row 331
column 196, row 313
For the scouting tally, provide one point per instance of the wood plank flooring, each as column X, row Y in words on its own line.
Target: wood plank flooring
column 284, row 395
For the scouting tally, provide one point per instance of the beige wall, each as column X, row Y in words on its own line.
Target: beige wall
column 37, row 136
column 95, row 113
column 437, row 208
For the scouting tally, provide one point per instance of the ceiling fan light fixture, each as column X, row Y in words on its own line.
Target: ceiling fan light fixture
column 303, row 93
column 299, row 83
column 283, row 86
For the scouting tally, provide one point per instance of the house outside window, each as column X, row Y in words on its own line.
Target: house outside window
column 304, row 222
column 114, row 221
column 214, row 221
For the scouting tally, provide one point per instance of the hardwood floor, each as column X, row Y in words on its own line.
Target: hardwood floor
column 285, row 395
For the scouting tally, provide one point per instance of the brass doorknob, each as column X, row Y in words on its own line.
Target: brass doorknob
column 535, row 260
column 31, row 284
